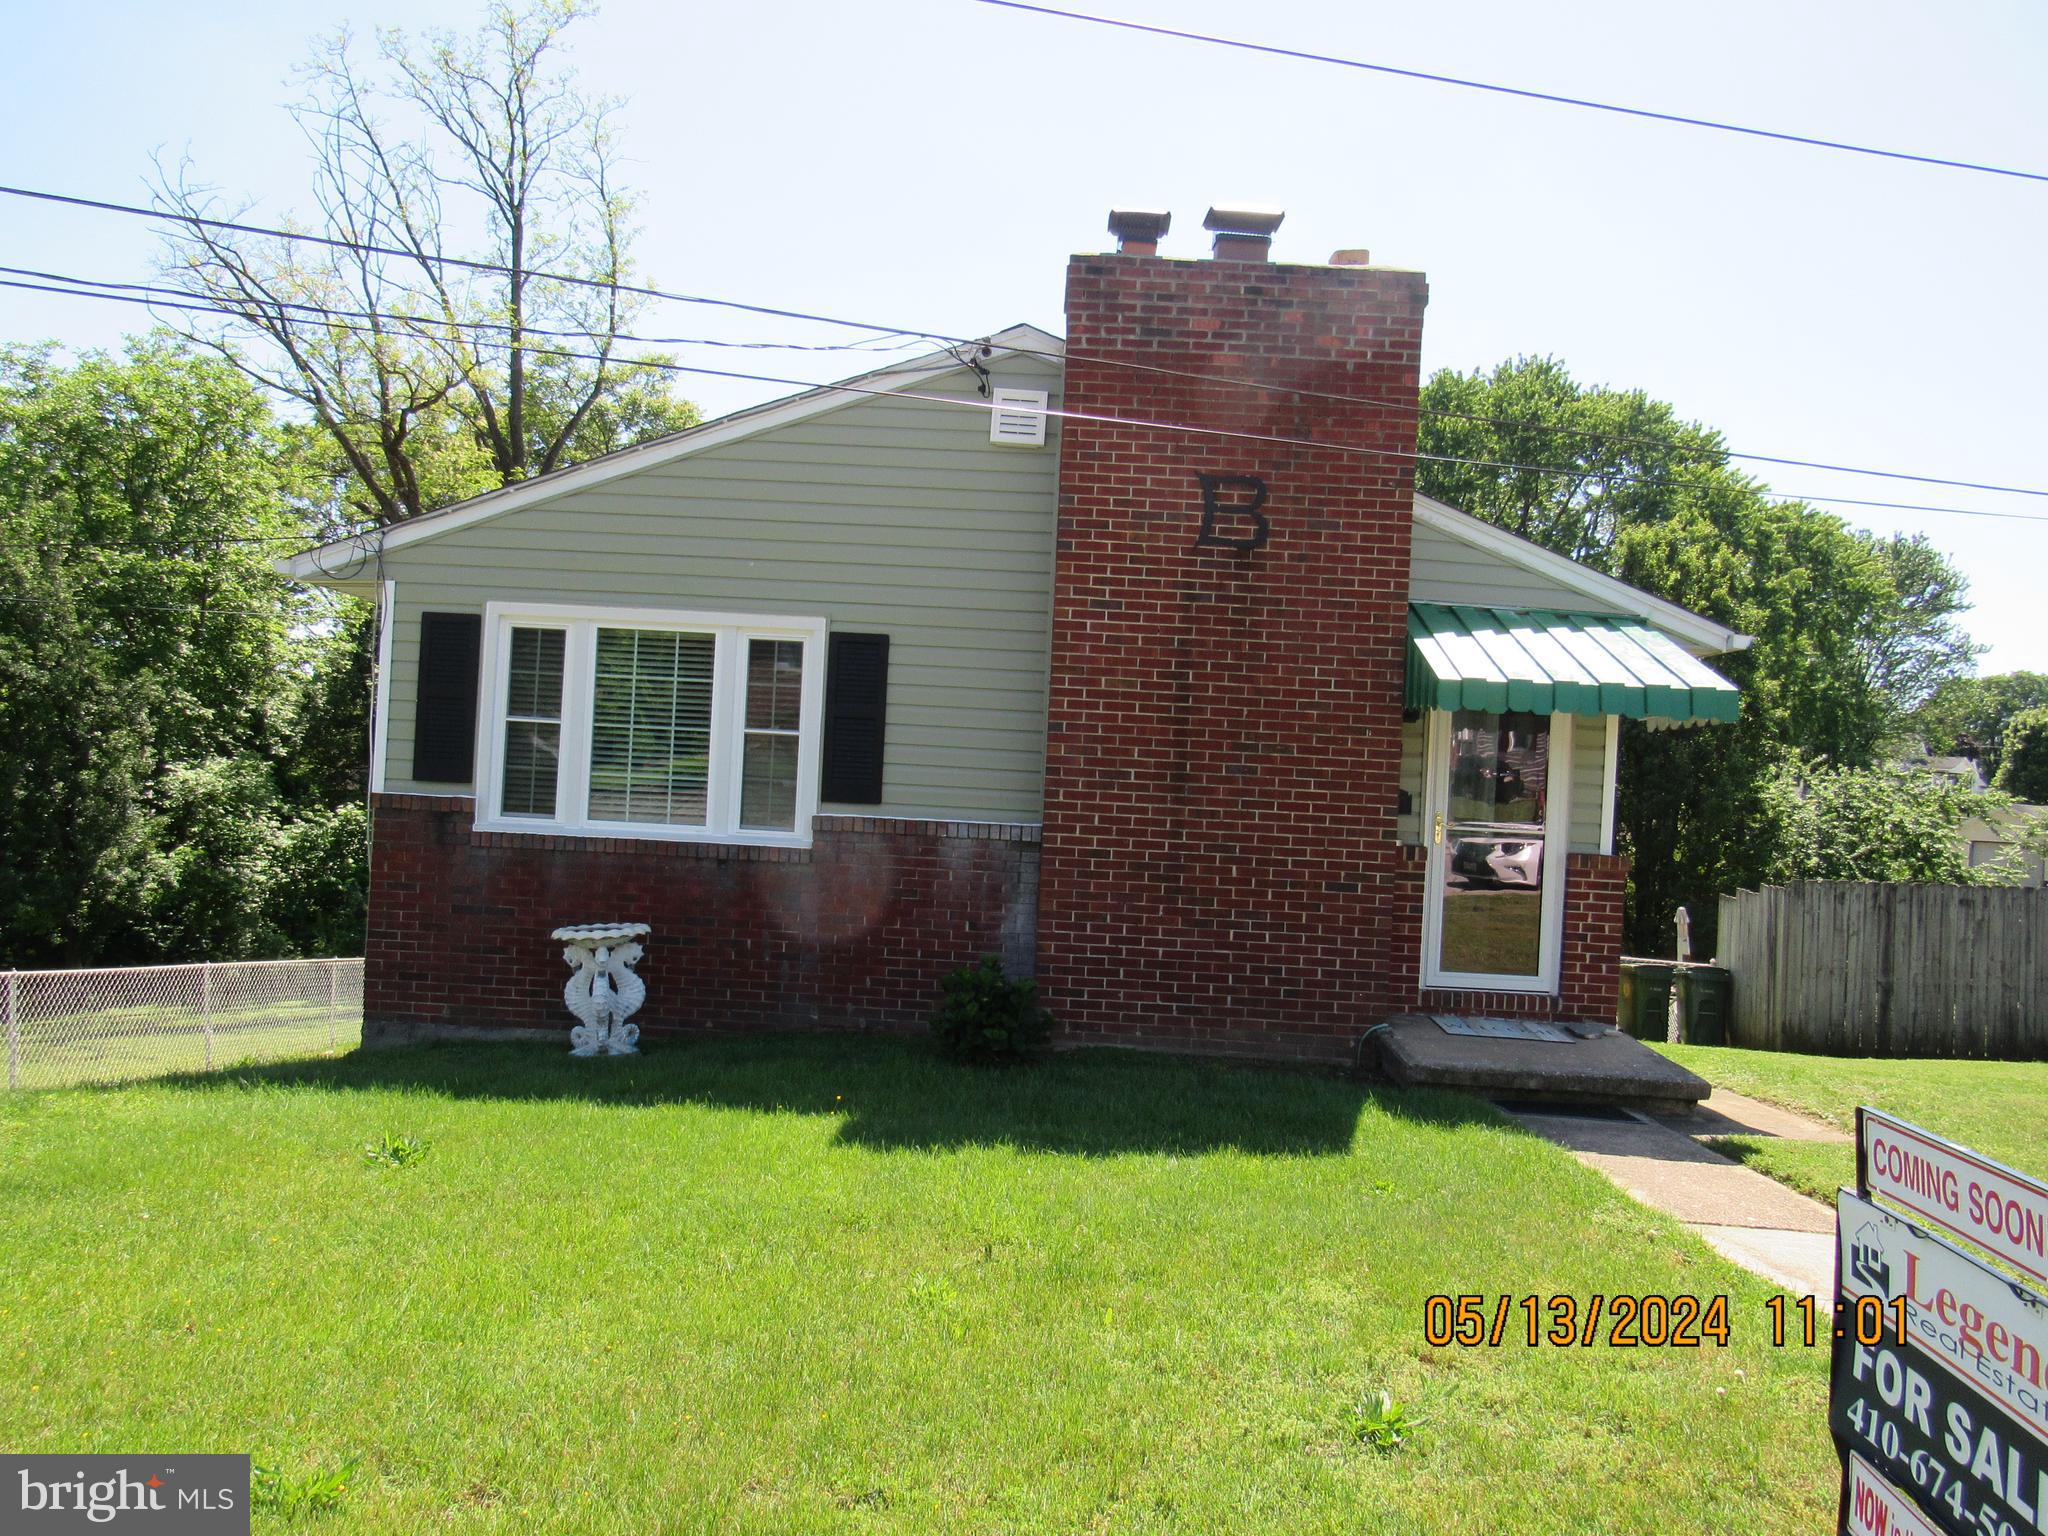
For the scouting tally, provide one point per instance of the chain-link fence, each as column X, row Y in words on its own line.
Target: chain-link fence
column 65, row 1027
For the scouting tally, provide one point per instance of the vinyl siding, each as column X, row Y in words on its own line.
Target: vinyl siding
column 896, row 516
column 1442, row 569
column 1588, row 781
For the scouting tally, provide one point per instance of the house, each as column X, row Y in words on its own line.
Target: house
column 1132, row 657
column 2008, row 837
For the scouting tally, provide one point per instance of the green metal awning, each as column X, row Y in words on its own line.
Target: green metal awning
column 1495, row 659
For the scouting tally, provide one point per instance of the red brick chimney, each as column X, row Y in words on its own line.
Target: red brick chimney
column 1229, row 633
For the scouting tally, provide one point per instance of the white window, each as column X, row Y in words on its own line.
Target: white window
column 645, row 723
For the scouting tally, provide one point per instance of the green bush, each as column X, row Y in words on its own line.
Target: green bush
column 987, row 1017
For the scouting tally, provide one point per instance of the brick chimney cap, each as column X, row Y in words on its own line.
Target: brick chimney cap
column 1143, row 225
column 1244, row 219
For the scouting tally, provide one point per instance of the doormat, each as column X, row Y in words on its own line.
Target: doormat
column 1501, row 1029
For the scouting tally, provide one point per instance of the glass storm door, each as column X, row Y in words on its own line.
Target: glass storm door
column 1494, row 889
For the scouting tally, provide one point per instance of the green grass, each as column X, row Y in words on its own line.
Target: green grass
column 836, row 1284
column 118, row 1044
column 1995, row 1107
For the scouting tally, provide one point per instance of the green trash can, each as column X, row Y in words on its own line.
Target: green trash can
column 1646, row 997
column 1703, row 1004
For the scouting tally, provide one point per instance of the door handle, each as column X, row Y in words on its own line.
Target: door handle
column 1439, row 834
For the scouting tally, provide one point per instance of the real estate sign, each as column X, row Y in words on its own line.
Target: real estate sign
column 1939, row 1386
column 1950, row 1187
column 1990, row 1331
column 1873, row 1507
column 1948, row 1412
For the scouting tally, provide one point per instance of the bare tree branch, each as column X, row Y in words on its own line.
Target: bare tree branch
column 433, row 389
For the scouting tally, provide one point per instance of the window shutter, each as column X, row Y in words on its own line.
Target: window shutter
column 444, row 719
column 856, row 716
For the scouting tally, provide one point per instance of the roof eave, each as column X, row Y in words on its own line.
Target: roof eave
column 1699, row 635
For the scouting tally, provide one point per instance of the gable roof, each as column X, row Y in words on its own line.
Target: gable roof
column 1700, row 636
column 323, row 563
column 345, row 562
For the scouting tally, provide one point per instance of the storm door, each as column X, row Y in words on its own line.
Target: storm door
column 1497, row 817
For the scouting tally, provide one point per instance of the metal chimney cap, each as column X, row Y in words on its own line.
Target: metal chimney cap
column 1142, row 225
column 1244, row 219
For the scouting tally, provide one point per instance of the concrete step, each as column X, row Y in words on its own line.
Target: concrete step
column 1413, row 1049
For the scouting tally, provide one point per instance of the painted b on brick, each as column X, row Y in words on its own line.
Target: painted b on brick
column 1228, row 641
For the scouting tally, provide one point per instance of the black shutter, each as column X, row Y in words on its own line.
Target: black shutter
column 444, row 721
column 856, row 716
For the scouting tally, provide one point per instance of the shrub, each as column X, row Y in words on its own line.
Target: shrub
column 985, row 1016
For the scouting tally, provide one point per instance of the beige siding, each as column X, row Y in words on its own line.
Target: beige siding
column 1588, row 781
column 1442, row 569
column 897, row 516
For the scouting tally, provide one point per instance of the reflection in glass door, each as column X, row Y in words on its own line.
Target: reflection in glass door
column 1491, row 841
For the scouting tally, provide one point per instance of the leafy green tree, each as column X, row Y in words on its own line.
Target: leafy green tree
column 153, row 666
column 2023, row 769
column 1882, row 823
column 1851, row 631
column 1968, row 716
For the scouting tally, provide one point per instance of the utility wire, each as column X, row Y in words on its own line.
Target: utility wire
column 1417, row 455
column 425, row 323
column 1520, row 91
column 1070, row 354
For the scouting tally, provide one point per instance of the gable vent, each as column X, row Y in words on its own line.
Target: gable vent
column 1018, row 418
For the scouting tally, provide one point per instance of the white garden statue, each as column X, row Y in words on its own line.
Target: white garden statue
column 604, row 993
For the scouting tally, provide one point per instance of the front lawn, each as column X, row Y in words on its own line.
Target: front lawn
column 1998, row 1108
column 818, row 1283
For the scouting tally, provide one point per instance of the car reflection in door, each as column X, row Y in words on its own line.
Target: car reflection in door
column 1497, row 862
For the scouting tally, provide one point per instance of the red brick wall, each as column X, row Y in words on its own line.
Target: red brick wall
column 1224, row 731
column 1589, row 975
column 854, row 931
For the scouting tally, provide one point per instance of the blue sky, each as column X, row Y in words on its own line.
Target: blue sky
column 931, row 163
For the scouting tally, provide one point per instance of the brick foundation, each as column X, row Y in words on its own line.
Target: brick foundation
column 853, row 932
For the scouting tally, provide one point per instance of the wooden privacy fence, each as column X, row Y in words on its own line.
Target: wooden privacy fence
column 1888, row 970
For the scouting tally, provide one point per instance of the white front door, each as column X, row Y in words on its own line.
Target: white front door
column 1495, row 821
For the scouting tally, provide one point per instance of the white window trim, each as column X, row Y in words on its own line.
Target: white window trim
column 572, row 785
column 1556, row 834
column 1609, row 775
column 380, row 714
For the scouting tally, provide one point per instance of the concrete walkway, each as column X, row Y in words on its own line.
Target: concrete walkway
column 1754, row 1220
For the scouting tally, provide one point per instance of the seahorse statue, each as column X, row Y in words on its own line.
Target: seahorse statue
column 586, row 1038
column 625, row 993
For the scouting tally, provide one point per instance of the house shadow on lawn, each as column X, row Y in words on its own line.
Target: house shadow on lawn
column 894, row 1093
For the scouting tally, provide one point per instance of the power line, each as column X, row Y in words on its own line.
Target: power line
column 1416, row 455
column 82, row 287
column 335, row 242
column 1523, row 92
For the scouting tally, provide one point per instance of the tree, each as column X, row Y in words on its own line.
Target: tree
column 1851, row 631
column 437, row 381
column 151, row 661
column 1967, row 716
column 1882, row 823
column 2023, row 769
